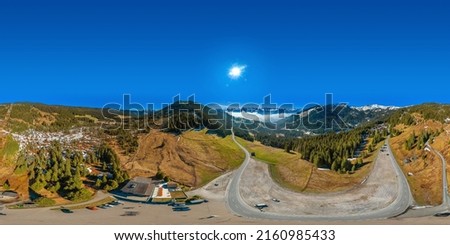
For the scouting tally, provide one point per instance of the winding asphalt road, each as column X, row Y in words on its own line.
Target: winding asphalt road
column 237, row 205
column 445, row 198
column 445, row 206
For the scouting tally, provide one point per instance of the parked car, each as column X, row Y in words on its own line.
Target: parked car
column 261, row 205
column 181, row 208
column 444, row 214
column 66, row 211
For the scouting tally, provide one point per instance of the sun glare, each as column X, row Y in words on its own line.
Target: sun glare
column 236, row 71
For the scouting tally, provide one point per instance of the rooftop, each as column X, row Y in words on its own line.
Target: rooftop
column 139, row 186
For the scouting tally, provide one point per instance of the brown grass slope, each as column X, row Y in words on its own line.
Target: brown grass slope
column 442, row 144
column 192, row 159
column 426, row 171
column 17, row 181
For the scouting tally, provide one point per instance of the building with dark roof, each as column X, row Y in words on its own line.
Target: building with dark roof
column 172, row 186
column 139, row 186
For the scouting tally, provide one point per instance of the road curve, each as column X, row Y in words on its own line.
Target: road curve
column 445, row 198
column 237, row 205
column 445, row 206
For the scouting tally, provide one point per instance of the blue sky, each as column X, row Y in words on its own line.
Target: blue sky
column 89, row 53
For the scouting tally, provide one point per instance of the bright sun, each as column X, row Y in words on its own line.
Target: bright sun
column 236, row 71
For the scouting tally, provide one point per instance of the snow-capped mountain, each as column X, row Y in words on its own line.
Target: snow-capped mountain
column 259, row 116
column 376, row 107
column 362, row 113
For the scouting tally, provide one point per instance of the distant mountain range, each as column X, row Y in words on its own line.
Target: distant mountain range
column 182, row 116
column 277, row 115
column 311, row 121
column 375, row 107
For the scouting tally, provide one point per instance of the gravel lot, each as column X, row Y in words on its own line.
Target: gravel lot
column 377, row 192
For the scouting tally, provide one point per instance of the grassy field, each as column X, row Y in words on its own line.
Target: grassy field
column 205, row 176
column 49, row 118
column 9, row 150
column 3, row 110
column 89, row 117
column 229, row 152
column 290, row 171
column 267, row 154
column 223, row 153
column 17, row 126
column 8, row 153
column 287, row 169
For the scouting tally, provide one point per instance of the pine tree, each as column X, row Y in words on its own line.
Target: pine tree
column 67, row 169
column 6, row 185
column 32, row 174
column 316, row 161
column 104, row 179
column 334, row 166
column 120, row 178
column 409, row 144
column 98, row 183
column 360, row 162
column 113, row 184
column 48, row 175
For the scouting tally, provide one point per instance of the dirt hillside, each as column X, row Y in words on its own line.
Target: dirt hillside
column 192, row 159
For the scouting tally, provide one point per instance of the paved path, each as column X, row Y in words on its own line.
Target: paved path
column 99, row 195
column 445, row 206
column 445, row 197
